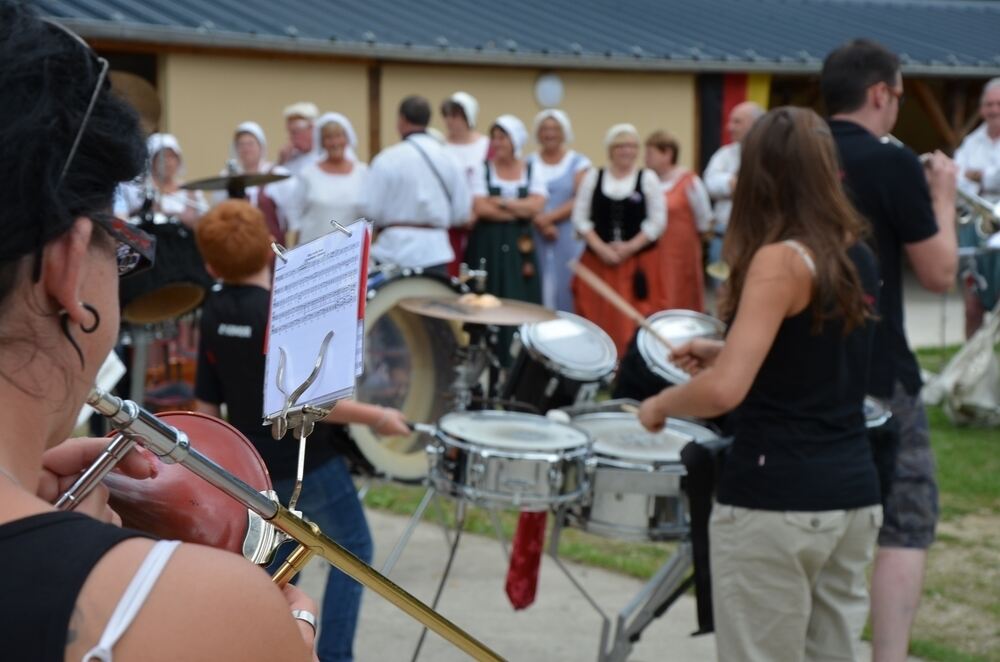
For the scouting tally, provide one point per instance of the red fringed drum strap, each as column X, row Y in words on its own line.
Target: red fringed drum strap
column 525, row 559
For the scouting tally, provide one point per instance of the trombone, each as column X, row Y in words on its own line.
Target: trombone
column 135, row 425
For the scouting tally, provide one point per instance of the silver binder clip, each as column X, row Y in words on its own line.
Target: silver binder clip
column 340, row 228
column 279, row 250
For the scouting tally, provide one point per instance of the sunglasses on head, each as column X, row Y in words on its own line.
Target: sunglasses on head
column 135, row 249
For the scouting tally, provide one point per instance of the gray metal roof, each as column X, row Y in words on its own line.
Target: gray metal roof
column 940, row 37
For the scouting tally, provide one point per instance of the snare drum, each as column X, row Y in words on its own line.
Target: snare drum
column 501, row 458
column 636, row 493
column 175, row 285
column 408, row 365
column 645, row 369
column 560, row 362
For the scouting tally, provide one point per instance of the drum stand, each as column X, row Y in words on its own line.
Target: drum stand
column 671, row 581
column 453, row 542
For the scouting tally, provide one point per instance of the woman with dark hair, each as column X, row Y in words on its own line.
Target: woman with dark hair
column 797, row 507
column 67, row 144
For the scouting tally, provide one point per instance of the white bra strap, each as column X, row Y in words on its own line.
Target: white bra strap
column 803, row 253
column 132, row 600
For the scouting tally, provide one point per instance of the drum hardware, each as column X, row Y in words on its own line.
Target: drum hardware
column 477, row 276
column 410, row 364
column 496, row 459
column 634, row 465
column 177, row 282
column 646, row 369
column 560, row 362
column 618, row 301
column 171, row 445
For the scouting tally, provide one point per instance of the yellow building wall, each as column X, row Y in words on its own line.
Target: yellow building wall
column 205, row 96
column 594, row 100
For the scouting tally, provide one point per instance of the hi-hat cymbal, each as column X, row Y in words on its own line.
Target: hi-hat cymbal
column 141, row 94
column 230, row 182
column 502, row 312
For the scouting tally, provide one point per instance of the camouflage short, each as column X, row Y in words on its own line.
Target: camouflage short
column 911, row 507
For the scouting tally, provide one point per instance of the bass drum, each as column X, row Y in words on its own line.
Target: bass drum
column 409, row 365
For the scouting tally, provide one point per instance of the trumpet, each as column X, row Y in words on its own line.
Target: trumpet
column 983, row 214
column 135, row 425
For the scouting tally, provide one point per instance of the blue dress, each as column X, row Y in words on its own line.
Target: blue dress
column 554, row 256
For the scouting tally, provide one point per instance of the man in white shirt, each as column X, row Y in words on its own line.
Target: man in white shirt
column 298, row 152
column 978, row 160
column 414, row 192
column 723, row 168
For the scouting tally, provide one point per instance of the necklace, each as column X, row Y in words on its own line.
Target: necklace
column 11, row 476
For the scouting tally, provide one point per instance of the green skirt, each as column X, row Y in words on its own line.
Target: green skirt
column 499, row 243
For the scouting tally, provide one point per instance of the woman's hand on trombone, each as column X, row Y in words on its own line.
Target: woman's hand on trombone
column 63, row 464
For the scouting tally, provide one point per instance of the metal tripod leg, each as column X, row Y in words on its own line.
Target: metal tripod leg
column 553, row 553
column 669, row 582
column 498, row 530
column 459, row 525
column 411, row 526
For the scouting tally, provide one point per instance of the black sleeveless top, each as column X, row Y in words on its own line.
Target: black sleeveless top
column 617, row 220
column 47, row 558
column 800, row 441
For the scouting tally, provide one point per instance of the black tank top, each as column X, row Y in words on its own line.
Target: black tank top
column 617, row 220
column 47, row 558
column 800, row 441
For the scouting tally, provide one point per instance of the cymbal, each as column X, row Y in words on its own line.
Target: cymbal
column 229, row 182
column 140, row 94
column 507, row 313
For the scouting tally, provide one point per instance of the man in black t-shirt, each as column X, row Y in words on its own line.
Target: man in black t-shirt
column 911, row 210
column 235, row 244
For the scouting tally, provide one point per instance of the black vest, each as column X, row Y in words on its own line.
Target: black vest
column 617, row 220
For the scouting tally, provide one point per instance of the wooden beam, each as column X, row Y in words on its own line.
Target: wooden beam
column 933, row 109
column 374, row 109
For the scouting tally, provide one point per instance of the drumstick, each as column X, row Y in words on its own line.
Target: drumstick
column 618, row 301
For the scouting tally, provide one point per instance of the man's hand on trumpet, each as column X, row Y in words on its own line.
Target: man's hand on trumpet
column 942, row 176
column 63, row 464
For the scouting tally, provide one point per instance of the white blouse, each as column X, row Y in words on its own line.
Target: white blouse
column 509, row 188
column 618, row 189
column 320, row 197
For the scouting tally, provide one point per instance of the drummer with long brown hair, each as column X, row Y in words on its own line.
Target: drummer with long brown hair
column 77, row 587
column 797, row 510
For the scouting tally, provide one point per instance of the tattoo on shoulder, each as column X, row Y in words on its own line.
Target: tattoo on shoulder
column 75, row 626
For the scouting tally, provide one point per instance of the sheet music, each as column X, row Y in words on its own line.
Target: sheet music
column 316, row 290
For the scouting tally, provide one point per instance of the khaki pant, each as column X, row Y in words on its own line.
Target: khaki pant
column 790, row 585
